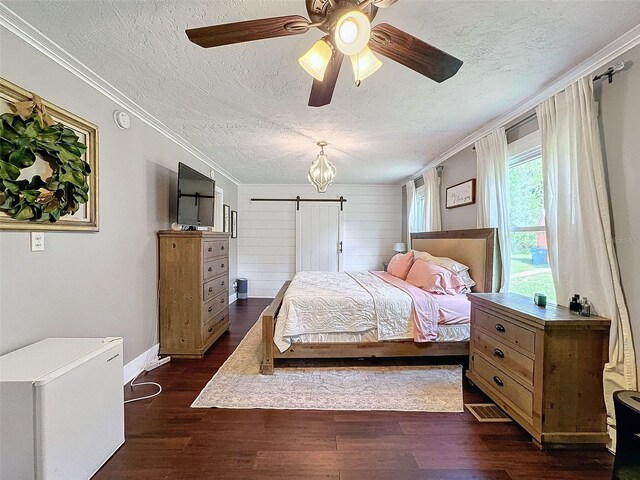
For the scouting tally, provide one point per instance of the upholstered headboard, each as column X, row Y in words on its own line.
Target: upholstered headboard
column 478, row 249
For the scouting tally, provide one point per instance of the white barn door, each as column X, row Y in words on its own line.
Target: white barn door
column 319, row 229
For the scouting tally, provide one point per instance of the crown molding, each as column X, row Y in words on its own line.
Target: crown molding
column 31, row 35
column 597, row 60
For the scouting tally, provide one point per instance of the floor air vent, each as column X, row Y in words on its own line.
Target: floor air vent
column 487, row 412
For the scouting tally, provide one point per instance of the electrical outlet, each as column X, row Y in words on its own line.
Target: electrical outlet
column 37, row 241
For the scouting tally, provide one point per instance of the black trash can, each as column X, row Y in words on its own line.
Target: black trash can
column 627, row 462
column 243, row 288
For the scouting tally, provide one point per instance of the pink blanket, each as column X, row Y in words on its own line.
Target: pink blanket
column 424, row 308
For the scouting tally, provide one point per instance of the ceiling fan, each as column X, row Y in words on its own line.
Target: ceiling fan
column 347, row 24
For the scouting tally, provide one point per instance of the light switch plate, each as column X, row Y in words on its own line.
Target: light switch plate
column 37, row 241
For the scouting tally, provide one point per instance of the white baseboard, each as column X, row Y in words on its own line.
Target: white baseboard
column 136, row 365
column 233, row 298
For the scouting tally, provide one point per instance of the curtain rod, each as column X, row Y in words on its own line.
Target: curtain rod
column 524, row 121
column 519, row 123
column 611, row 71
column 342, row 200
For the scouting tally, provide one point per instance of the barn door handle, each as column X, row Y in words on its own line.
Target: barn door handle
column 340, row 246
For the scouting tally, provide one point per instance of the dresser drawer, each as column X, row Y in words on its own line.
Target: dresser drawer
column 214, row 287
column 214, row 248
column 209, row 327
column 511, row 361
column 507, row 331
column 214, row 268
column 214, row 306
column 504, row 385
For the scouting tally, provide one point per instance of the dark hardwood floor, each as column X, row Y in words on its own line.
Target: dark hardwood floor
column 165, row 439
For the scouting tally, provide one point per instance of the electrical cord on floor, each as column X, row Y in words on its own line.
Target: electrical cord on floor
column 131, row 384
column 141, row 384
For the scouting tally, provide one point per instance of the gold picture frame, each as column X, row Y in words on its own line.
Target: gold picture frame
column 87, row 218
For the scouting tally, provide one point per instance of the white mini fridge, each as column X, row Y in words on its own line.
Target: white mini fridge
column 61, row 408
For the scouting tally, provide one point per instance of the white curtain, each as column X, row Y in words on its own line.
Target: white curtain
column 432, row 217
column 579, row 234
column 492, row 194
column 410, row 191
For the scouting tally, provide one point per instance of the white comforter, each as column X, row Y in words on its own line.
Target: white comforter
column 340, row 302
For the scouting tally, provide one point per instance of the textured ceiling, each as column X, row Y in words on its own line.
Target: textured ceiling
column 246, row 105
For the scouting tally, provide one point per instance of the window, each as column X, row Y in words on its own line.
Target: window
column 530, row 271
column 418, row 210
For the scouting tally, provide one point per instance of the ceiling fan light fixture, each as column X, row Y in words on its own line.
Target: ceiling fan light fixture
column 316, row 60
column 322, row 171
column 364, row 64
column 352, row 33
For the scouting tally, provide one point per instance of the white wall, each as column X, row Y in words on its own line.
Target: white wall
column 457, row 169
column 267, row 230
column 94, row 284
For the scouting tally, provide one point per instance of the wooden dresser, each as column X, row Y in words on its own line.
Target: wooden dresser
column 543, row 366
column 194, row 291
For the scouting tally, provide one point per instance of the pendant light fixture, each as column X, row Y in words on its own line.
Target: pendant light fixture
column 364, row 64
column 321, row 171
column 353, row 32
column 316, row 60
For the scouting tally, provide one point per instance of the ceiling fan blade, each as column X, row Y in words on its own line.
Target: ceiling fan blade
column 322, row 91
column 230, row 33
column 413, row 53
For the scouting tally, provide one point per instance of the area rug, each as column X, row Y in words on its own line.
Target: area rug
column 239, row 384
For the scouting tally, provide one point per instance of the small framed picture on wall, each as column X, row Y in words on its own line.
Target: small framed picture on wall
column 226, row 218
column 234, row 224
column 461, row 194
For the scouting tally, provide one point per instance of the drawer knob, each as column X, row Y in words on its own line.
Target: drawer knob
column 210, row 268
column 209, row 309
column 498, row 353
column 222, row 282
column 498, row 381
column 210, row 249
column 222, row 265
column 500, row 328
column 222, row 247
column 222, row 300
column 210, row 289
column 209, row 329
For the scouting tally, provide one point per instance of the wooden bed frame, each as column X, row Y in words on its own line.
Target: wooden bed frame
column 476, row 248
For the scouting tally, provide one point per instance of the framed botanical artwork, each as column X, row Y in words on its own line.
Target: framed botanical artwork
column 226, row 218
column 53, row 184
column 461, row 194
column 234, row 224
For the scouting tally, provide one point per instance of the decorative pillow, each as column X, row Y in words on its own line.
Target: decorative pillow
column 400, row 265
column 456, row 267
column 446, row 262
column 466, row 280
column 433, row 278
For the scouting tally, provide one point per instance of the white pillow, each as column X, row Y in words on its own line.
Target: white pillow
column 456, row 267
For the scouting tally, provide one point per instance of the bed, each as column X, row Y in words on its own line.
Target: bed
column 361, row 314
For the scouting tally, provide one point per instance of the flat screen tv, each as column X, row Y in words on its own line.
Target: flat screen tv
column 196, row 198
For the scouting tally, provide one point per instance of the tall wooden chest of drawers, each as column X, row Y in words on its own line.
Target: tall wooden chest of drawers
column 194, row 291
column 543, row 366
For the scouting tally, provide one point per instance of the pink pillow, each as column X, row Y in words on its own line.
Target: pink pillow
column 400, row 265
column 434, row 279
